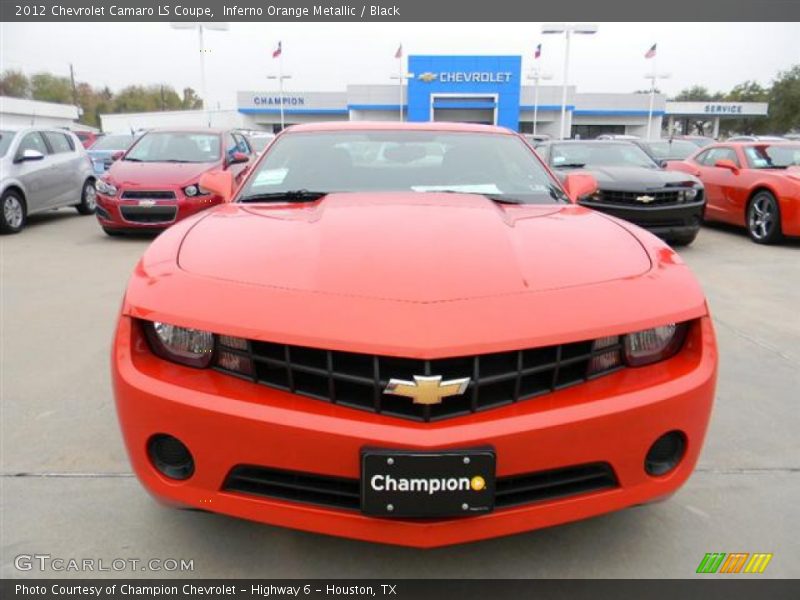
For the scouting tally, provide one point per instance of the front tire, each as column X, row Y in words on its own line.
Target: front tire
column 14, row 213
column 764, row 218
column 88, row 199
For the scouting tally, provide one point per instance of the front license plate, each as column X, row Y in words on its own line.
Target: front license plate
column 427, row 484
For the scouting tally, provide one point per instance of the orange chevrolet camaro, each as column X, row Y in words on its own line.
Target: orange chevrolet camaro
column 750, row 184
column 411, row 334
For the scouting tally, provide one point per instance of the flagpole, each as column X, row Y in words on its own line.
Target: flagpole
column 280, row 83
column 400, row 78
column 652, row 98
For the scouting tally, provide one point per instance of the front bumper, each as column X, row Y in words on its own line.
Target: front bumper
column 669, row 222
column 226, row 422
column 143, row 215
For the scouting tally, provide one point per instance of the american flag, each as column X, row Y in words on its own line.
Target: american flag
column 277, row 52
column 399, row 53
column 651, row 53
column 538, row 53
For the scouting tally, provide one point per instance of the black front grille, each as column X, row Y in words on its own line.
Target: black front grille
column 359, row 380
column 147, row 195
column 149, row 214
column 342, row 493
column 659, row 198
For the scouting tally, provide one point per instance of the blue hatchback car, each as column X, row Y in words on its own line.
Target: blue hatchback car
column 102, row 151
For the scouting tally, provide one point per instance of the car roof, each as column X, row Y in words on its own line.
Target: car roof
column 591, row 142
column 396, row 126
column 209, row 130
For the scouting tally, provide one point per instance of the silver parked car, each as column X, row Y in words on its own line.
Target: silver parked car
column 42, row 169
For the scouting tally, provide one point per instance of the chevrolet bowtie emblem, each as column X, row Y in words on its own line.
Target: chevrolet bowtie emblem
column 645, row 199
column 427, row 390
column 428, row 77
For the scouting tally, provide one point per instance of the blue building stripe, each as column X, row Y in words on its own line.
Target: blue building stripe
column 615, row 113
column 295, row 111
column 463, row 104
column 546, row 107
column 376, row 106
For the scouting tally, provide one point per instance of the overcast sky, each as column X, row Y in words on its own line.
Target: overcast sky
column 328, row 56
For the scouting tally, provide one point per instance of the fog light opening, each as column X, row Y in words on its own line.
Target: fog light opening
column 665, row 453
column 170, row 456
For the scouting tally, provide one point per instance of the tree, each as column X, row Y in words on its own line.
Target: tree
column 191, row 100
column 15, row 84
column 698, row 93
column 784, row 101
column 749, row 91
column 51, row 88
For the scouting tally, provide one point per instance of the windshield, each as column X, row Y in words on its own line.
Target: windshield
column 498, row 165
column 113, row 142
column 5, row 141
column 606, row 155
column 259, row 142
column 777, row 156
column 176, row 147
column 675, row 149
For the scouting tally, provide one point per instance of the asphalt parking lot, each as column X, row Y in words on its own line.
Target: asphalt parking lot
column 67, row 489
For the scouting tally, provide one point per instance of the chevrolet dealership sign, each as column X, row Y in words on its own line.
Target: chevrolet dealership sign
column 467, row 77
column 717, row 109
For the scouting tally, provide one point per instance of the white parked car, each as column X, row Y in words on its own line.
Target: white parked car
column 42, row 169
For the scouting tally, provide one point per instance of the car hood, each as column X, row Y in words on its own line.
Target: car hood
column 126, row 172
column 636, row 177
column 411, row 247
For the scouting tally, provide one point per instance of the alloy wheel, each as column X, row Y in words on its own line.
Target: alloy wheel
column 12, row 211
column 762, row 217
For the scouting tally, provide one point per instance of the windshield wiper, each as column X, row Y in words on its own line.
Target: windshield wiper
column 287, row 196
column 570, row 166
column 127, row 158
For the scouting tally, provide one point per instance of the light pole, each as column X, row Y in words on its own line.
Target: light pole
column 652, row 77
column 567, row 29
column 535, row 76
column 200, row 27
column 280, row 77
column 402, row 78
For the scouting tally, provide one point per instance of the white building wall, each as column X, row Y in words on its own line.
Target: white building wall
column 20, row 112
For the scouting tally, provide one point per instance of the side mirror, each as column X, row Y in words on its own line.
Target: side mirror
column 727, row 164
column 117, row 155
column 219, row 183
column 29, row 154
column 237, row 158
column 579, row 185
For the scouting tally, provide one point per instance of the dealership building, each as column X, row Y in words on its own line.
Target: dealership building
column 474, row 89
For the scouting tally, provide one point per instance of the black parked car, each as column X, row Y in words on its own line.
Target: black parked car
column 632, row 186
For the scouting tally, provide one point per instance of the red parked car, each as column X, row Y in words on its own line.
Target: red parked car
column 155, row 182
column 750, row 184
column 411, row 334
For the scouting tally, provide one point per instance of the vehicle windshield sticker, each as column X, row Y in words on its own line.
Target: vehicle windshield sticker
column 270, row 177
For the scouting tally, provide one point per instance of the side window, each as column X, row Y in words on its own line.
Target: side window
column 231, row 145
column 58, row 142
column 702, row 158
column 715, row 154
column 241, row 144
column 33, row 141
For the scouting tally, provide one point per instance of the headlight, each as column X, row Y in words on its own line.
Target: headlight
column 689, row 194
column 192, row 347
column 105, row 188
column 652, row 345
column 194, row 190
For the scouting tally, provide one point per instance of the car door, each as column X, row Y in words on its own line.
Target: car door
column 65, row 162
column 719, row 182
column 39, row 177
